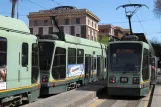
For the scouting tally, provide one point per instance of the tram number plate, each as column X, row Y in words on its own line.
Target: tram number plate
column 124, row 79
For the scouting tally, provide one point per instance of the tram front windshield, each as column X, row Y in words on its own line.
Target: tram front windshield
column 125, row 57
column 45, row 54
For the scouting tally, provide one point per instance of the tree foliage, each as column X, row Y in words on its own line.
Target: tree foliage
column 157, row 8
column 157, row 47
column 103, row 39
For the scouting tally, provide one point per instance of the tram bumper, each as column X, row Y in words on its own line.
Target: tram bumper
column 127, row 90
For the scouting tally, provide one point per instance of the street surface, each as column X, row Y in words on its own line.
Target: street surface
column 104, row 100
column 116, row 101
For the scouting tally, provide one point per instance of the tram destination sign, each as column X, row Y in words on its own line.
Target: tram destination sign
column 125, row 51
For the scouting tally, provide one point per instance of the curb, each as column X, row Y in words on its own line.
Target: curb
column 86, row 98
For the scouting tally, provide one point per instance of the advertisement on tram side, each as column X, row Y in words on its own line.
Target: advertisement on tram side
column 75, row 70
column 2, row 78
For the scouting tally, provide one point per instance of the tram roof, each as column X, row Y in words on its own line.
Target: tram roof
column 13, row 24
column 143, row 38
column 82, row 41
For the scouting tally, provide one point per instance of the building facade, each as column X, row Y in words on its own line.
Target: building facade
column 106, row 30
column 110, row 30
column 77, row 22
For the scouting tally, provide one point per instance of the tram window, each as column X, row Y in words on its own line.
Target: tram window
column 71, row 56
column 24, row 54
column 45, row 54
column 93, row 63
column 98, row 65
column 35, row 63
column 59, row 64
column 3, row 51
column 105, row 62
column 80, row 56
column 145, row 68
column 87, row 65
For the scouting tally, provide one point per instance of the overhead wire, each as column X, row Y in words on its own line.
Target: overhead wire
column 36, row 4
column 56, row 2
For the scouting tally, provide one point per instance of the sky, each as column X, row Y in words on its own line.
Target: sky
column 144, row 21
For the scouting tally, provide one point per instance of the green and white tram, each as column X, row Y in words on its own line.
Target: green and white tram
column 70, row 63
column 19, row 69
column 129, row 66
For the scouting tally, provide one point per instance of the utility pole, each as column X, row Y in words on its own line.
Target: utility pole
column 17, row 10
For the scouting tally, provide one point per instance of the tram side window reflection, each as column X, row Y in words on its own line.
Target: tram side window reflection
column 71, row 56
column 145, row 67
column 87, row 65
column 45, row 54
column 24, row 54
column 3, row 58
column 80, row 56
column 3, row 51
column 59, row 64
column 105, row 62
column 94, row 63
column 35, row 63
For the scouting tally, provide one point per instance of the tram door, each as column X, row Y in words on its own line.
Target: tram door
column 24, row 70
column 87, row 67
column 99, row 67
column 154, row 70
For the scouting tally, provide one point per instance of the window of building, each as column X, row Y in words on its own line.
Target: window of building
column 35, row 63
column 145, row 67
column 50, row 30
column 35, row 23
column 95, row 25
column 40, row 30
column 92, row 24
column 3, row 51
column 66, row 21
column 24, row 54
column 80, row 56
column 77, row 20
column 88, row 22
column 89, row 37
column 59, row 64
column 45, row 22
column 78, row 35
column 71, row 56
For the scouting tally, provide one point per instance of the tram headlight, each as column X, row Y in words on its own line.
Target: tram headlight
column 112, row 79
column 136, row 80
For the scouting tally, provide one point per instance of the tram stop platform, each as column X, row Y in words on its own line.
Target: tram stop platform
column 72, row 98
column 156, row 100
